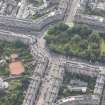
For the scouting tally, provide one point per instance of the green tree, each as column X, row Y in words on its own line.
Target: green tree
column 76, row 29
column 19, row 44
column 62, row 27
column 85, row 31
column 52, row 31
column 94, row 37
column 95, row 45
column 76, row 38
column 84, row 44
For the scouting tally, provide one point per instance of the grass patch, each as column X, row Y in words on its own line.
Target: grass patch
column 102, row 47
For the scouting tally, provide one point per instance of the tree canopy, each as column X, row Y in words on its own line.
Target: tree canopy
column 79, row 41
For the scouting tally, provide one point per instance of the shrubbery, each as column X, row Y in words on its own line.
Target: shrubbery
column 78, row 41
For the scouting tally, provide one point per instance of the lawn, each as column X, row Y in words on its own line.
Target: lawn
column 102, row 47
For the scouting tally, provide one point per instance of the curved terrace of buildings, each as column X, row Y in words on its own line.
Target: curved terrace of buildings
column 13, row 24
